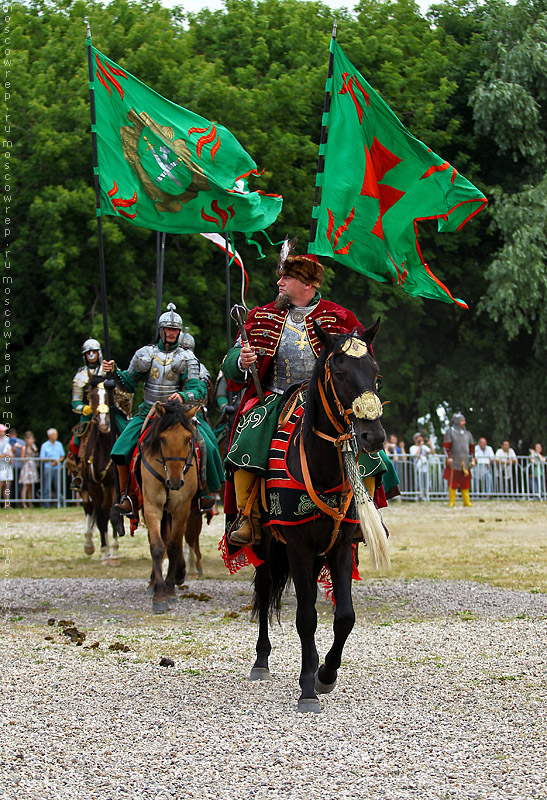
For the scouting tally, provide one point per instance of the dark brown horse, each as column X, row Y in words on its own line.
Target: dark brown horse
column 99, row 487
column 341, row 406
column 169, row 474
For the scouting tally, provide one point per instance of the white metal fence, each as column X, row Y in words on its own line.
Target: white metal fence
column 521, row 481
column 50, row 490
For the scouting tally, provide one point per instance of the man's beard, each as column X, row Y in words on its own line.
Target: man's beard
column 282, row 301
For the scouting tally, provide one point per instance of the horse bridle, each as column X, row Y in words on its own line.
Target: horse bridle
column 366, row 406
column 189, row 460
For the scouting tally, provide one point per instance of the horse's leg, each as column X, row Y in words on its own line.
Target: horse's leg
column 173, row 533
column 153, row 514
column 108, row 501
column 304, row 569
column 340, row 563
column 263, row 585
column 89, row 547
column 191, row 535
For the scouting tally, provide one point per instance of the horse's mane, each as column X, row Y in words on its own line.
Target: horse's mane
column 96, row 380
column 312, row 394
column 174, row 413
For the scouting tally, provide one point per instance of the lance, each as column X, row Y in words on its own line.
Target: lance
column 109, row 383
column 228, row 302
column 322, row 143
column 237, row 313
column 160, row 257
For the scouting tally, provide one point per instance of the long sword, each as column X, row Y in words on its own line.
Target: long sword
column 237, row 314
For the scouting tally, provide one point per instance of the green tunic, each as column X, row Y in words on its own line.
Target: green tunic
column 250, row 448
column 125, row 445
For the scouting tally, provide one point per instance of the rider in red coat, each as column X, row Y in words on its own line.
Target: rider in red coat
column 284, row 346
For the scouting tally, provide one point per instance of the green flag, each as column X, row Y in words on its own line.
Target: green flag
column 379, row 182
column 163, row 167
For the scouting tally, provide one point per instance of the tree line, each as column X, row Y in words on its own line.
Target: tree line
column 468, row 79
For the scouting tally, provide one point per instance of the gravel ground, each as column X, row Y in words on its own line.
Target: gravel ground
column 442, row 694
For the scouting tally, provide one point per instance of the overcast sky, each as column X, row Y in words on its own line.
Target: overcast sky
column 214, row 5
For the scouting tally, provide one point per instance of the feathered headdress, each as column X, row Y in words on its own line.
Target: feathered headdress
column 305, row 268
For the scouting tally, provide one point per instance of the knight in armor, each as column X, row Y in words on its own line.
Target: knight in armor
column 92, row 356
column 284, row 347
column 170, row 373
column 187, row 342
column 460, row 457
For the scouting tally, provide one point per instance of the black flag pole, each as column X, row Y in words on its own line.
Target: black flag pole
column 228, row 306
column 109, row 383
column 322, row 142
column 160, row 259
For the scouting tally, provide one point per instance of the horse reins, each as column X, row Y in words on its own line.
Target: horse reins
column 346, row 433
column 189, row 460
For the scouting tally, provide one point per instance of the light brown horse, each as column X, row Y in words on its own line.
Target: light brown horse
column 169, row 472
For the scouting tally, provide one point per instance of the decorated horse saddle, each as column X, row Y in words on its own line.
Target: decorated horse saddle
column 286, row 500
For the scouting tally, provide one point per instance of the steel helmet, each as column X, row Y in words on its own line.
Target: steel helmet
column 170, row 319
column 188, row 340
column 91, row 344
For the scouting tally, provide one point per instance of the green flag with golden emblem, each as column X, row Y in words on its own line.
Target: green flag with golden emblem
column 163, row 167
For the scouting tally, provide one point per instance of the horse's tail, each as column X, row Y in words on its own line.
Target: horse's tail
column 277, row 565
column 375, row 534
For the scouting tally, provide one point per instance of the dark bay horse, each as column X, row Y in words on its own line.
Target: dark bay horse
column 341, row 405
column 169, row 472
column 99, row 487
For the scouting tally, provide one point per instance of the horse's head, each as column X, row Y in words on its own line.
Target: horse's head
column 170, row 441
column 99, row 403
column 347, row 375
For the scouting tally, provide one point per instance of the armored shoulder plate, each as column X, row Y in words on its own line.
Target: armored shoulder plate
column 142, row 360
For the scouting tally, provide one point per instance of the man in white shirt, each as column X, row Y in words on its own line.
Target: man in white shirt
column 505, row 459
column 484, row 456
column 419, row 453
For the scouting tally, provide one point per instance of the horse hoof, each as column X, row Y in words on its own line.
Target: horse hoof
column 150, row 590
column 323, row 688
column 309, row 705
column 172, row 600
column 160, row 607
column 89, row 549
column 200, row 573
column 115, row 561
column 260, row 674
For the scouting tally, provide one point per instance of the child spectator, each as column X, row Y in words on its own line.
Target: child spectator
column 29, row 471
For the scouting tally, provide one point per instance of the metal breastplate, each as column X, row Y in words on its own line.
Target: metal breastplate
column 165, row 371
column 460, row 447
column 294, row 359
column 80, row 382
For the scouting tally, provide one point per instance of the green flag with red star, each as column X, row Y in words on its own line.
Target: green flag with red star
column 163, row 167
column 379, row 181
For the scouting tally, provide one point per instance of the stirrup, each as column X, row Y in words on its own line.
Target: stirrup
column 234, row 536
column 206, row 503
column 77, row 484
column 132, row 512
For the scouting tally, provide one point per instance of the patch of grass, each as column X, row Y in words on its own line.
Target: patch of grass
column 510, row 550
column 444, row 544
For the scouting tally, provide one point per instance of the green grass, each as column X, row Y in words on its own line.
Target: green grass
column 504, row 544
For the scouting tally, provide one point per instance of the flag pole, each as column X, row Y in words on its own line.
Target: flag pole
column 106, row 337
column 109, row 383
column 160, row 258
column 322, row 142
column 228, row 299
column 228, row 304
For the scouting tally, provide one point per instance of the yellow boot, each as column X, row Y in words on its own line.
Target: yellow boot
column 465, row 497
column 246, row 529
column 451, row 497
